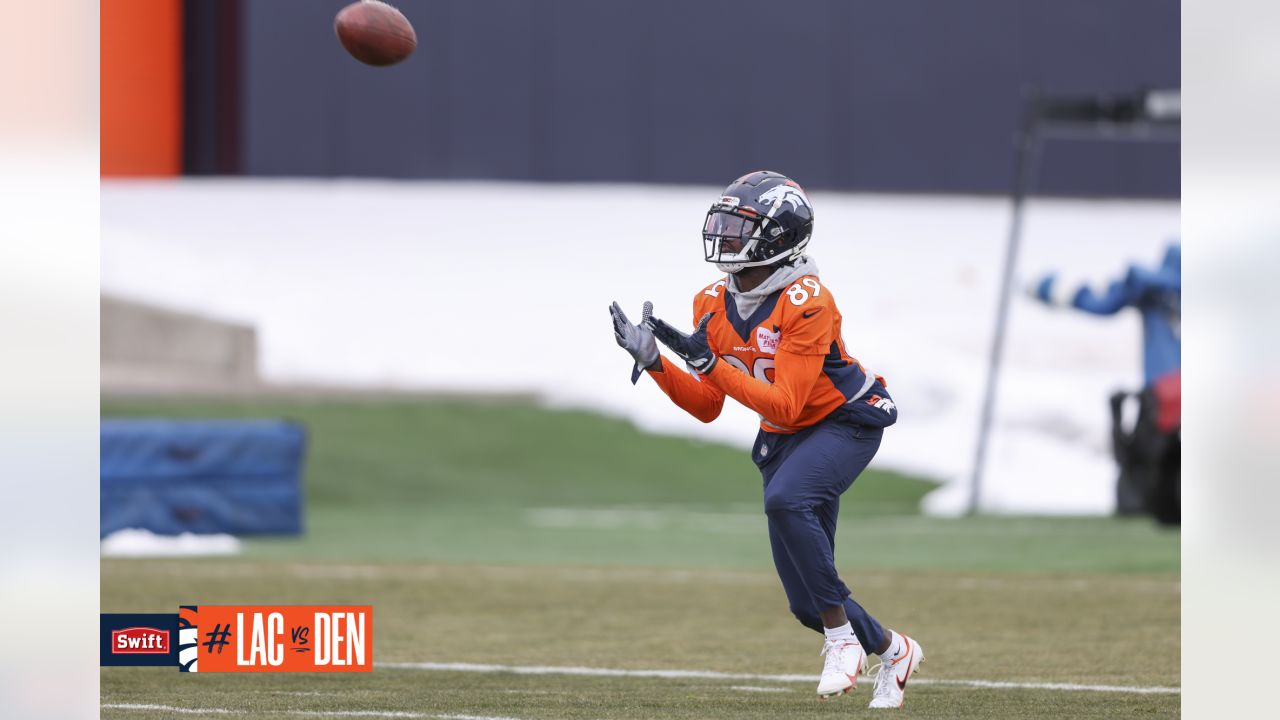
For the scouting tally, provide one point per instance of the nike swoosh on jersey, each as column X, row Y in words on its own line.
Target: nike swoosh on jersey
column 810, row 313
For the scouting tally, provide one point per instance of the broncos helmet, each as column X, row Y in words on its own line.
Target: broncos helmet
column 762, row 218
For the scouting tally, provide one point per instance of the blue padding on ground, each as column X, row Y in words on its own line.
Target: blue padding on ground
column 202, row 476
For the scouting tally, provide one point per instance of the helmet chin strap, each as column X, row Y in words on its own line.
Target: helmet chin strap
column 735, row 268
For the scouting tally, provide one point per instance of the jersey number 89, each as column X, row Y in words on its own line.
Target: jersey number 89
column 799, row 295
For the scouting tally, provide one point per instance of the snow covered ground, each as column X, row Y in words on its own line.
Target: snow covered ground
column 504, row 287
column 137, row 542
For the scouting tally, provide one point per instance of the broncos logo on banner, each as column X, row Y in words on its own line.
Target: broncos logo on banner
column 188, row 638
column 785, row 194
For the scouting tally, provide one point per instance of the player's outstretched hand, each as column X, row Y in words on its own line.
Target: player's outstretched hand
column 635, row 339
column 693, row 348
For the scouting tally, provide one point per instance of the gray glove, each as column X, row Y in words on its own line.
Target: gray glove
column 635, row 339
column 693, row 349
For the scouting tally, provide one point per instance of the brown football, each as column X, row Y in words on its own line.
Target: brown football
column 375, row 33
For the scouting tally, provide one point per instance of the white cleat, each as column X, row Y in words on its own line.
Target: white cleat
column 891, row 681
column 845, row 661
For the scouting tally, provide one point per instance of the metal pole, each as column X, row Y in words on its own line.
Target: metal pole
column 1025, row 160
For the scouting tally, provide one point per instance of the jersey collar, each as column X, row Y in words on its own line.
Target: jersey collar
column 743, row 326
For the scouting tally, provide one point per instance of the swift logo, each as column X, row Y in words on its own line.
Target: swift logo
column 140, row 641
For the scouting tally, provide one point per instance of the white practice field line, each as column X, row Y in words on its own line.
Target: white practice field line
column 757, row 688
column 303, row 713
column 713, row 675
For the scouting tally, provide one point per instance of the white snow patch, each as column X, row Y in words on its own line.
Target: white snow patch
column 136, row 542
column 503, row 287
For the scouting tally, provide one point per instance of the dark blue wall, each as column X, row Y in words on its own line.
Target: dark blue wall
column 911, row 95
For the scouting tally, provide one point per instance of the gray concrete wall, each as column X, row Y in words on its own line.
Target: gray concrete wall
column 148, row 349
column 902, row 96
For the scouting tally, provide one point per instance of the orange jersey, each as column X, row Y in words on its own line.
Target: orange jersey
column 786, row 361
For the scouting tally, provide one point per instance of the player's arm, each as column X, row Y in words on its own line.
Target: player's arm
column 1061, row 292
column 781, row 402
column 808, row 329
column 694, row 395
column 689, row 390
column 1109, row 302
column 698, row 398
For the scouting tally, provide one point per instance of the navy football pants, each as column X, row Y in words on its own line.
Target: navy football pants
column 804, row 476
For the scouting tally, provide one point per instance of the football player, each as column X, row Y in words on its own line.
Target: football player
column 768, row 335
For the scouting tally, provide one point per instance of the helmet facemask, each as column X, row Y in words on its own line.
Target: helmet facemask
column 736, row 238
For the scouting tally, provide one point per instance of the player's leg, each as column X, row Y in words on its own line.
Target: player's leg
column 845, row 659
column 900, row 655
column 801, row 502
column 797, row 594
column 868, row 630
column 865, row 627
column 771, row 450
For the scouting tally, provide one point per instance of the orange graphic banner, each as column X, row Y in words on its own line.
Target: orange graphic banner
column 276, row 638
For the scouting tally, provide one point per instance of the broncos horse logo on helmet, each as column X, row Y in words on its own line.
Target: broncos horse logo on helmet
column 779, row 194
column 762, row 218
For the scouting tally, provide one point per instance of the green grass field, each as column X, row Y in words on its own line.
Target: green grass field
column 502, row 533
